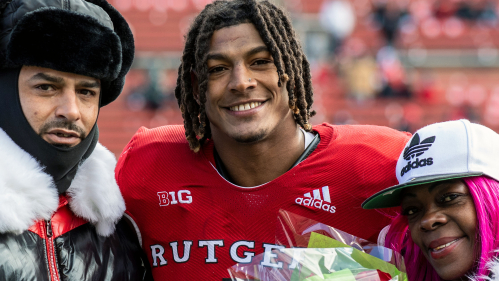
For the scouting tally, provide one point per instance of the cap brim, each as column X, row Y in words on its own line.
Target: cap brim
column 390, row 197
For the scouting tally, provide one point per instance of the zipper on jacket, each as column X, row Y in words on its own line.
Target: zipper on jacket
column 65, row 5
column 51, row 258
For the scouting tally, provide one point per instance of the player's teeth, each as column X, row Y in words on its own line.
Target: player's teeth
column 245, row 106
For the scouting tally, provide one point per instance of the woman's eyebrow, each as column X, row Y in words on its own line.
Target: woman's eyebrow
column 435, row 184
column 407, row 194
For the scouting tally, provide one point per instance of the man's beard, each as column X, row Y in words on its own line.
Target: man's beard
column 62, row 124
column 60, row 145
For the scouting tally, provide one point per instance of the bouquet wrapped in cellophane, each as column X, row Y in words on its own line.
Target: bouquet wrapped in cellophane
column 314, row 251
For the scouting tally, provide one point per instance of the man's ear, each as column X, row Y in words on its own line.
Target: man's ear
column 195, row 86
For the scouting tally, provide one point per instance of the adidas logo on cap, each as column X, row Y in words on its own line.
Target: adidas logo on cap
column 439, row 152
column 416, row 149
column 322, row 203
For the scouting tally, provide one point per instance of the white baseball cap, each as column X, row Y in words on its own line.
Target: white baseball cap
column 442, row 151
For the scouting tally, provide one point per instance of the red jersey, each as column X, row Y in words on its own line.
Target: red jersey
column 194, row 224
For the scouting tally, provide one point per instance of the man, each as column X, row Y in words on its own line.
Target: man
column 60, row 206
column 207, row 196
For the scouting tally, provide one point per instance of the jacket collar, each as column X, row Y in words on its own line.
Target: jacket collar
column 27, row 194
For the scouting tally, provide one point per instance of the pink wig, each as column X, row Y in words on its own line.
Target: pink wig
column 485, row 194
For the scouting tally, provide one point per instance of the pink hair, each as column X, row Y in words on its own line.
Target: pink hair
column 485, row 194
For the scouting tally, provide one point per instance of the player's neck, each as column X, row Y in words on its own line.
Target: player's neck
column 257, row 163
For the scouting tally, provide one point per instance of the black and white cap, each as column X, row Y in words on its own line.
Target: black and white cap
column 442, row 151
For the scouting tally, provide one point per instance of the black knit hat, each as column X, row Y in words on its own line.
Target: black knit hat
column 86, row 37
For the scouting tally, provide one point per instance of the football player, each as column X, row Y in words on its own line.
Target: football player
column 206, row 195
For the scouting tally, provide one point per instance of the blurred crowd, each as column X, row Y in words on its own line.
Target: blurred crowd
column 371, row 69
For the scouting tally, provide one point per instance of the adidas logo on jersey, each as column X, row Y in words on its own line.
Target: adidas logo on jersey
column 322, row 203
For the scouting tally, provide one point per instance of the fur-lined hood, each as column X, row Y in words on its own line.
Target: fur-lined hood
column 494, row 270
column 493, row 266
column 27, row 194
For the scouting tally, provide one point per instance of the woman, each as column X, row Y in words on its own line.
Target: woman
column 448, row 191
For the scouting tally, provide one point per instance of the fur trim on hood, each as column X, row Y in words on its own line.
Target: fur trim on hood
column 493, row 267
column 27, row 194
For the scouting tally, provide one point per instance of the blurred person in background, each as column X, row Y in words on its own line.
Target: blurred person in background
column 337, row 17
column 61, row 211
column 360, row 71
column 393, row 74
column 448, row 194
column 388, row 14
column 206, row 195
column 444, row 9
column 477, row 10
column 149, row 95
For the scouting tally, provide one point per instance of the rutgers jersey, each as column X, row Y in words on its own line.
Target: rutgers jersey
column 194, row 224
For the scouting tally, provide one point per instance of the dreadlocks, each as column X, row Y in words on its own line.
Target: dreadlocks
column 278, row 35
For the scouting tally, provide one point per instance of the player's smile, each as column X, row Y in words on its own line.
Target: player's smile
column 243, row 100
column 245, row 106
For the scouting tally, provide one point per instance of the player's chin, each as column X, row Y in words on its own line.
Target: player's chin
column 250, row 137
